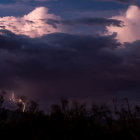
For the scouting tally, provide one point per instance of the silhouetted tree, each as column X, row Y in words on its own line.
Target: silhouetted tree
column 70, row 121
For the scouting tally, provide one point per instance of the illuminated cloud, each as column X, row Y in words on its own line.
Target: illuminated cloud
column 130, row 32
column 33, row 24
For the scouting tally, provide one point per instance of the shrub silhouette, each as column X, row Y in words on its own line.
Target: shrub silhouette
column 70, row 121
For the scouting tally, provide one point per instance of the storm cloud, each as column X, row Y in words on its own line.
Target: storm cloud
column 46, row 57
column 75, row 66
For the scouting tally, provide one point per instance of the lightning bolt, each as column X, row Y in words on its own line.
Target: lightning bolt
column 16, row 101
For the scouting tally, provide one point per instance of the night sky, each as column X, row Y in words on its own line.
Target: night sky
column 77, row 49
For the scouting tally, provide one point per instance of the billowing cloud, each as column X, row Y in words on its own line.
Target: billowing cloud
column 39, row 22
column 130, row 32
column 33, row 24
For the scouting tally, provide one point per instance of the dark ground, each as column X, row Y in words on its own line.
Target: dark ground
column 70, row 121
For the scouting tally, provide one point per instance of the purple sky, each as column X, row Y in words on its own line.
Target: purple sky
column 88, row 49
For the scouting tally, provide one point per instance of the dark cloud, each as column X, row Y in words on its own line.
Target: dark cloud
column 86, row 21
column 67, row 65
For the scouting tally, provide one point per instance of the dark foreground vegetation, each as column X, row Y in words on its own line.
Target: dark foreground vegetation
column 70, row 121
